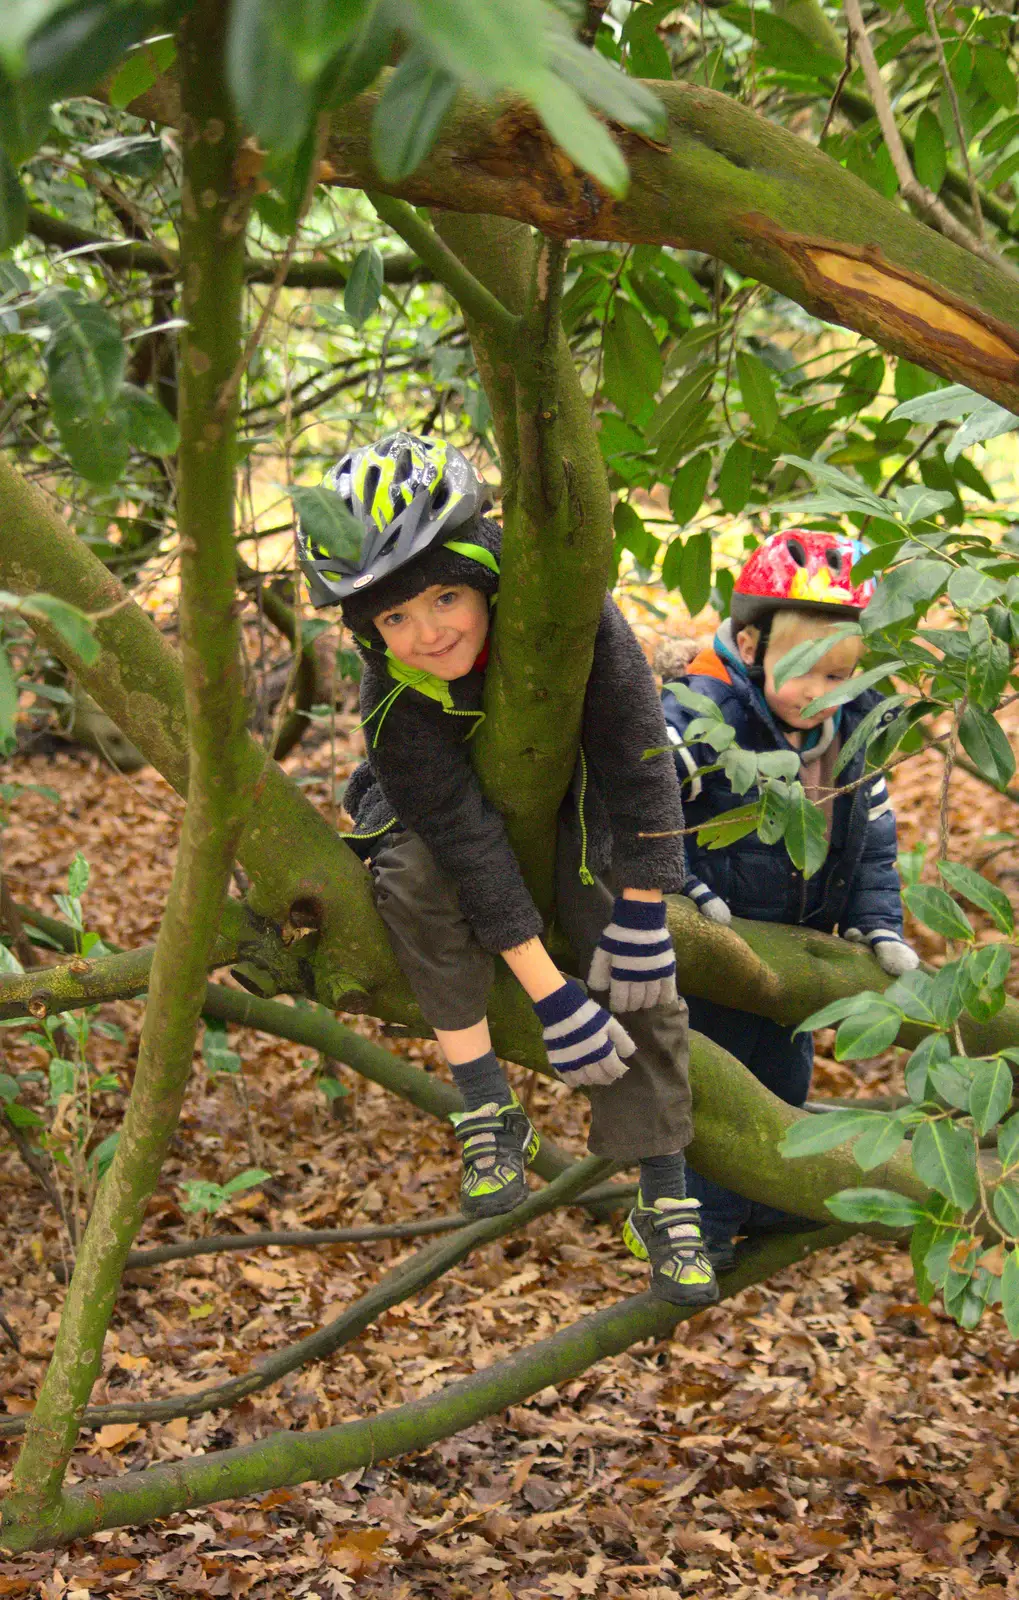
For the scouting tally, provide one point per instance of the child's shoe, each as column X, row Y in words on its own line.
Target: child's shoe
column 668, row 1235
column 499, row 1145
column 721, row 1253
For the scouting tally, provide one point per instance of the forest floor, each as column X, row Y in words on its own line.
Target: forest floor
column 823, row 1435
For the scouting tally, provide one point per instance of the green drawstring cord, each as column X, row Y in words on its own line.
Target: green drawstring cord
column 586, row 876
column 425, row 683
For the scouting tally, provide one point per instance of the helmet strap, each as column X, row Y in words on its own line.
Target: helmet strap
column 755, row 671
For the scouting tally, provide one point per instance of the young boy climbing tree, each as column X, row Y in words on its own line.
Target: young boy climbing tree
column 796, row 587
column 418, row 595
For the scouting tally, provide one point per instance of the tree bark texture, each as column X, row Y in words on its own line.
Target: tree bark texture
column 214, row 214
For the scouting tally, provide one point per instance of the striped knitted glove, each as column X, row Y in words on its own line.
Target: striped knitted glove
column 583, row 1042
column 634, row 959
column 708, row 903
column 894, row 955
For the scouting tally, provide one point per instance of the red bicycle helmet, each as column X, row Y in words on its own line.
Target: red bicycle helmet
column 799, row 571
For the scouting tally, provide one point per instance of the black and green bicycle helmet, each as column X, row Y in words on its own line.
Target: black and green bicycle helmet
column 408, row 494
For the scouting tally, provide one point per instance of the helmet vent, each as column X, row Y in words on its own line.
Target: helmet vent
column 371, row 483
column 796, row 552
column 834, row 560
column 404, row 467
column 440, row 494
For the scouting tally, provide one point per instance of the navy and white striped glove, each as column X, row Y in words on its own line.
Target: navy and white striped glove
column 584, row 1044
column 634, row 959
column 708, row 903
column 893, row 954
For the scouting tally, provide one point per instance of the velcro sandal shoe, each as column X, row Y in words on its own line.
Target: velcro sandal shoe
column 668, row 1235
column 499, row 1145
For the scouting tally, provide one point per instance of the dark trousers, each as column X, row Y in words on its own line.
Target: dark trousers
column 784, row 1065
column 645, row 1113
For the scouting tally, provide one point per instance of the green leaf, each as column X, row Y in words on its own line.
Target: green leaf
column 364, row 286
column 740, row 767
column 1010, row 1292
column 969, row 589
column 987, row 665
column 1008, row 1142
column 1006, row 1206
column 774, row 812
column 880, row 1142
column 986, row 422
column 78, row 874
column 328, row 524
column 700, row 703
column 275, row 52
column 944, row 1157
column 930, row 159
column 691, row 570
column 882, row 1206
column 937, row 910
column 633, row 535
column 148, row 425
column 85, row 365
column 141, row 69
column 8, row 706
column 916, row 502
column 806, row 832
column 758, row 391
column 923, row 1237
column 688, row 487
column 940, row 405
column 865, row 730
column 736, row 477
column 931, row 1052
column 721, row 832
column 24, row 1116
column 9, row 1089
column 997, row 77
column 854, row 496
column 816, row 1132
column 584, row 139
column 951, row 1084
column 868, row 1032
column 850, row 689
column 134, row 155
column 104, row 1152
column 985, row 971
column 798, row 661
column 617, row 95
column 778, row 764
column 9, row 961
column 991, row 1094
column 409, row 115
column 71, row 624
column 907, row 588
column 987, row 746
column 633, row 363
column 246, row 1180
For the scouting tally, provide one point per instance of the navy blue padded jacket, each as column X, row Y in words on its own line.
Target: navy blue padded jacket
column 858, row 885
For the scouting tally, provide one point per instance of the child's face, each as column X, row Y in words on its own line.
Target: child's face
column 787, row 703
column 442, row 630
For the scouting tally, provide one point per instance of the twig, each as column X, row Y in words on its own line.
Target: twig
column 953, row 100
column 474, row 298
column 615, row 1194
column 910, row 189
column 406, row 1279
column 226, row 394
column 837, row 96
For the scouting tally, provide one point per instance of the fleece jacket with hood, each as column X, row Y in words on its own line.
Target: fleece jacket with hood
column 858, row 885
column 419, row 775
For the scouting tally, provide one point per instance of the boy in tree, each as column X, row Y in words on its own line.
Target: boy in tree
column 416, row 584
column 796, row 587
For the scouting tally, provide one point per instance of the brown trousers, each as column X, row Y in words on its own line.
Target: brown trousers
column 646, row 1112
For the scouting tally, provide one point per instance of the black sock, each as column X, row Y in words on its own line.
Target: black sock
column 663, row 1178
column 481, row 1081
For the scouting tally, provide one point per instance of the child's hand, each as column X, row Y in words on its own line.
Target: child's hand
column 634, row 960
column 708, row 903
column 893, row 954
column 584, row 1043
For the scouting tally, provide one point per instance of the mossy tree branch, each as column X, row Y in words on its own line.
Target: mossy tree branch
column 214, row 213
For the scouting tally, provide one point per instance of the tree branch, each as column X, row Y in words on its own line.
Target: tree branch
column 474, row 299
column 290, row 1458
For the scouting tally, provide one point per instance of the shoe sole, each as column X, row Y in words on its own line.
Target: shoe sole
column 679, row 1296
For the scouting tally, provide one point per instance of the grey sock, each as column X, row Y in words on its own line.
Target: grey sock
column 663, row 1178
column 481, row 1081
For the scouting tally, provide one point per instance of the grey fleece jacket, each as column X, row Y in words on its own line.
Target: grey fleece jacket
column 419, row 775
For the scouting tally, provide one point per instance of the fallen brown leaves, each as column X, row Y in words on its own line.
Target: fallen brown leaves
column 822, row 1436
